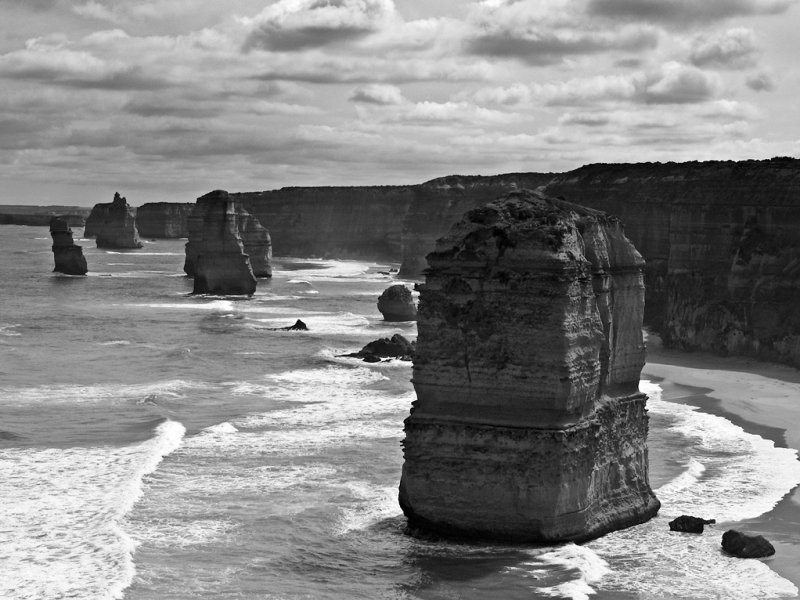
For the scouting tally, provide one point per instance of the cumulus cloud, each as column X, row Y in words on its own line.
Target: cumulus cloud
column 761, row 82
column 732, row 49
column 681, row 12
column 291, row 25
column 378, row 94
column 512, row 95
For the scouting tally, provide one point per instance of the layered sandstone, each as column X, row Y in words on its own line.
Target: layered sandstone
column 528, row 423
column 255, row 238
column 164, row 219
column 219, row 262
column 113, row 224
column 68, row 256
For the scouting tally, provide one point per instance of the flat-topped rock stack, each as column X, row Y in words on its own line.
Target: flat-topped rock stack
column 528, row 423
column 215, row 252
column 67, row 254
column 113, row 224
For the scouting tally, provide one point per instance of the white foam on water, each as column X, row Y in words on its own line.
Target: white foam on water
column 191, row 304
column 373, row 504
column 337, row 270
column 115, row 343
column 6, row 330
column 133, row 252
column 730, row 475
column 102, row 392
column 335, row 356
column 343, row 323
column 589, row 566
column 61, row 527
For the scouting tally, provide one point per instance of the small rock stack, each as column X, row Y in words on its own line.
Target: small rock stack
column 68, row 255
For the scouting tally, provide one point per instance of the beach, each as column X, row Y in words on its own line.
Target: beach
column 760, row 397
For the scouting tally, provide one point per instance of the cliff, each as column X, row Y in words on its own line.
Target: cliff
column 18, row 214
column 528, row 423
column 255, row 239
column 67, row 255
column 164, row 219
column 219, row 263
column 113, row 224
column 340, row 222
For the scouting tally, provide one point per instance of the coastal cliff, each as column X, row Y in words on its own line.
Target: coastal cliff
column 67, row 255
column 341, row 222
column 219, row 263
column 528, row 423
column 113, row 224
column 18, row 214
column 164, row 219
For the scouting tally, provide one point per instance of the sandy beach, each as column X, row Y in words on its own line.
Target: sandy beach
column 761, row 398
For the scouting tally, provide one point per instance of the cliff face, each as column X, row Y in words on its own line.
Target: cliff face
column 219, row 263
column 68, row 256
column 528, row 423
column 113, row 224
column 17, row 214
column 164, row 219
column 255, row 238
column 342, row 222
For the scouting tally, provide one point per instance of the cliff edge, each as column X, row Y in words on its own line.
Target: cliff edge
column 528, row 423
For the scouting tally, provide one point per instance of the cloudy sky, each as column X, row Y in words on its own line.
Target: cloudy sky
column 168, row 99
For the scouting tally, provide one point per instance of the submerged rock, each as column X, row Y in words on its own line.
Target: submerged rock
column 67, row 254
column 396, row 303
column 528, row 423
column 395, row 347
column 742, row 545
column 298, row 326
column 220, row 265
column 689, row 524
column 113, row 224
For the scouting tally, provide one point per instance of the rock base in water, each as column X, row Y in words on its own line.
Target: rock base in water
column 395, row 347
column 68, row 256
column 396, row 304
column 742, row 545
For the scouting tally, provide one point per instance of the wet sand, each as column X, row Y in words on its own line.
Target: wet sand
column 761, row 398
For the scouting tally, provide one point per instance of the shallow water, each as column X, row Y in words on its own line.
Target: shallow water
column 159, row 445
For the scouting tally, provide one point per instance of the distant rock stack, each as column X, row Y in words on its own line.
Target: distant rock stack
column 113, row 224
column 255, row 238
column 528, row 423
column 219, row 263
column 396, row 303
column 164, row 219
column 68, row 256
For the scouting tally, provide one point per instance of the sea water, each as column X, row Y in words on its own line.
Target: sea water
column 159, row 445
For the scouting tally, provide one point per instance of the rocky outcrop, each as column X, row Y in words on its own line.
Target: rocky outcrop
column 219, row 262
column 255, row 238
column 113, row 224
column 742, row 545
column 395, row 347
column 164, row 219
column 68, row 256
column 396, row 304
column 528, row 423
column 689, row 524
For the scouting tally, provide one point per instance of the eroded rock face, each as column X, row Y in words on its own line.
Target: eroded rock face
column 113, row 224
column 396, row 304
column 219, row 262
column 164, row 219
column 68, row 256
column 528, row 423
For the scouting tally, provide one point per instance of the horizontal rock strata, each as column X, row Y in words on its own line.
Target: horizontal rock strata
column 219, row 262
column 164, row 219
column 68, row 256
column 113, row 224
column 528, row 423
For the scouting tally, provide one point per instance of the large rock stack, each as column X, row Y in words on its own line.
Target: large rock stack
column 113, row 224
column 219, row 263
column 68, row 256
column 528, row 423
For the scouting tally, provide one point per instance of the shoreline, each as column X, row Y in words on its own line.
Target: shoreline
column 761, row 398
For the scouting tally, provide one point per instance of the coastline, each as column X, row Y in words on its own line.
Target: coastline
column 761, row 398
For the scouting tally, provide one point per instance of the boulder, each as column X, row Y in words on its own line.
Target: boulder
column 68, row 256
column 298, row 326
column 688, row 524
column 395, row 347
column 113, row 224
column 528, row 424
column 396, row 303
column 742, row 545
column 220, row 265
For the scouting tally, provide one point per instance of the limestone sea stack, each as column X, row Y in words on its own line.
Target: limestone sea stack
column 164, row 219
column 219, row 262
column 67, row 254
column 113, row 224
column 396, row 303
column 528, row 424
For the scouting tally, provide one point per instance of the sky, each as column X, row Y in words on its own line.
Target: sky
column 165, row 100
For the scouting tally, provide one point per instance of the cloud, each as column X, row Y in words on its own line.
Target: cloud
column 290, row 25
column 377, row 94
column 733, row 49
column 761, row 82
column 512, row 95
column 678, row 84
column 682, row 12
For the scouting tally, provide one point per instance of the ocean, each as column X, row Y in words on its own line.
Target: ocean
column 159, row 445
